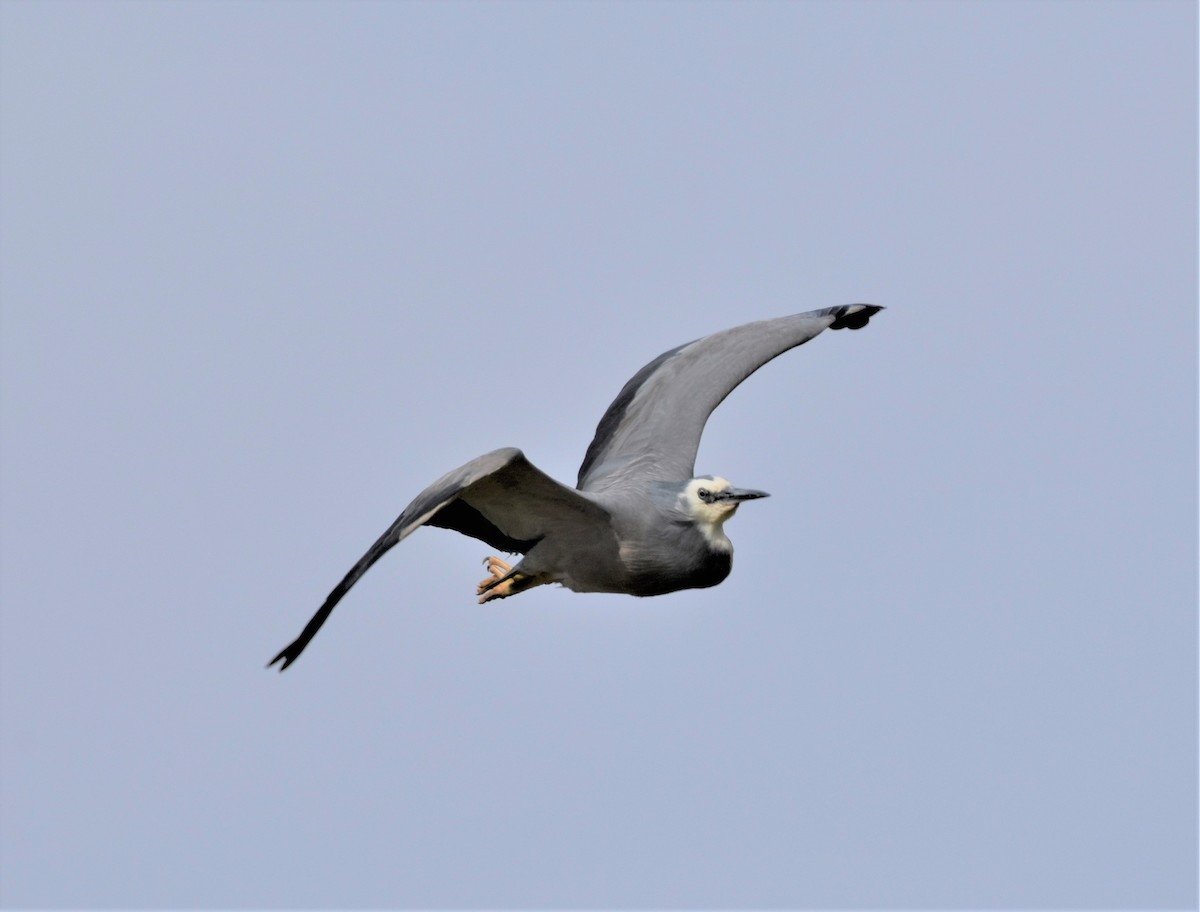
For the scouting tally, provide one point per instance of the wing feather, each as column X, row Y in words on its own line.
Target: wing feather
column 651, row 432
column 500, row 498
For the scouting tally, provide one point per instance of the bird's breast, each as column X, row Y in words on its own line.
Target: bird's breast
column 657, row 566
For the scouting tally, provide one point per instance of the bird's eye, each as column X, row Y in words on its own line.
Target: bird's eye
column 704, row 494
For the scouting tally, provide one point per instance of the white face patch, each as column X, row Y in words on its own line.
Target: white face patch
column 710, row 517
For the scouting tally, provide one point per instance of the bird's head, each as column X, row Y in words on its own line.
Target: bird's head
column 709, row 501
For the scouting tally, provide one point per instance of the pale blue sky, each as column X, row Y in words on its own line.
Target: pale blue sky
column 268, row 269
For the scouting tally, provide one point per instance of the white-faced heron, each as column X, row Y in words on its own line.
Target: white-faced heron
column 637, row 521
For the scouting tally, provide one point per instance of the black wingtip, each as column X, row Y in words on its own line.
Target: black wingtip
column 853, row 316
column 287, row 656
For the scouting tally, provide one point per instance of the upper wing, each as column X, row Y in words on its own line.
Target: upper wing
column 652, row 429
column 500, row 498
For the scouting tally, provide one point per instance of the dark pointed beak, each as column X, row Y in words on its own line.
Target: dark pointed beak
column 737, row 495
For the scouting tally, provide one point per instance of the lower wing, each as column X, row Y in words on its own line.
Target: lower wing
column 500, row 498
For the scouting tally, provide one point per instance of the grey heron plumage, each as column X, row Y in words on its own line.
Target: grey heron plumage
column 638, row 522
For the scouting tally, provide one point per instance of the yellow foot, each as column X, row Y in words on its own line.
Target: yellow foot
column 497, row 586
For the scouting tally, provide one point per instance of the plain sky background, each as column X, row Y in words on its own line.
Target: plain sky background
column 271, row 268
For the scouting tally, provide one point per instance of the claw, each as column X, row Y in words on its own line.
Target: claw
column 500, row 584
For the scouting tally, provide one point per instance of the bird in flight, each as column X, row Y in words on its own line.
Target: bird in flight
column 638, row 520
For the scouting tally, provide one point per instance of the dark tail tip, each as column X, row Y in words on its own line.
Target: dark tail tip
column 853, row 316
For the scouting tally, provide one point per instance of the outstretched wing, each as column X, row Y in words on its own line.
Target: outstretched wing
column 500, row 498
column 651, row 432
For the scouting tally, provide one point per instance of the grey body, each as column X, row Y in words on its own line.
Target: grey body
column 638, row 522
